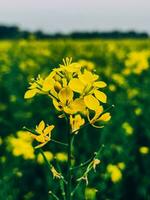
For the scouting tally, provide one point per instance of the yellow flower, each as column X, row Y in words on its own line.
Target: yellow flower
column 49, row 82
column 112, row 87
column 85, row 83
column 144, row 150
column 128, row 128
column 44, row 134
column 55, row 173
column 87, row 64
column 21, row 145
column 99, row 117
column 76, row 122
column 34, row 88
column 114, row 172
column 48, row 155
column 65, row 97
column 61, row 156
column 121, row 165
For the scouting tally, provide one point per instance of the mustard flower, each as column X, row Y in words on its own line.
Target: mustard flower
column 34, row 88
column 76, row 122
column 44, row 134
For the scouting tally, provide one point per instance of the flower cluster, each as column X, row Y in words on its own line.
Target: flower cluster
column 76, row 92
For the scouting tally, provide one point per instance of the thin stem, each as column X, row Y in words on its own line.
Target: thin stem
column 83, row 164
column 88, row 169
column 75, row 189
column 68, row 166
column 62, row 183
column 58, row 142
column 53, row 195
column 45, row 159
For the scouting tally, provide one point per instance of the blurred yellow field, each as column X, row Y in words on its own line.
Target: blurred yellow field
column 123, row 172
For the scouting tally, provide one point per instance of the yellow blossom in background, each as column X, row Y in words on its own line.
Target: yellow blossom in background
column 3, row 159
column 119, row 79
column 114, row 172
column 21, row 145
column 61, row 156
column 43, row 134
column 137, row 62
column 87, row 64
column 112, row 87
column 127, row 128
column 132, row 93
column 144, row 150
column 90, row 193
column 138, row 111
column 121, row 165
column 48, row 155
column 1, row 141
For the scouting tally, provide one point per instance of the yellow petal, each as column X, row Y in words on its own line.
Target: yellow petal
column 78, row 105
column 91, row 102
column 40, row 145
column 48, row 84
column 65, row 95
column 100, row 96
column 105, row 117
column 76, row 85
column 99, row 84
column 56, row 105
column 40, row 127
column 30, row 93
column 48, row 129
column 87, row 77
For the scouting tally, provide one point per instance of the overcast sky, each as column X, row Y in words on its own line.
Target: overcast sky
column 73, row 15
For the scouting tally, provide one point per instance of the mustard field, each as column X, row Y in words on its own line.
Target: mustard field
column 123, row 169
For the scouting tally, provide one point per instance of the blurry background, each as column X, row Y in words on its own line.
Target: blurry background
column 111, row 37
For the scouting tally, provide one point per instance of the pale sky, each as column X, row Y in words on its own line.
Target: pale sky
column 74, row 15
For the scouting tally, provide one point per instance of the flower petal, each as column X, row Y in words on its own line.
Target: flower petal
column 48, row 84
column 40, row 127
column 65, row 95
column 105, row 117
column 48, row 129
column 99, row 84
column 76, row 85
column 30, row 93
column 101, row 96
column 91, row 102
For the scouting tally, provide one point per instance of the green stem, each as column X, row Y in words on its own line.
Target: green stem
column 69, row 161
column 58, row 142
column 45, row 159
column 62, row 183
column 88, row 169
column 53, row 195
column 83, row 164
column 69, row 165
